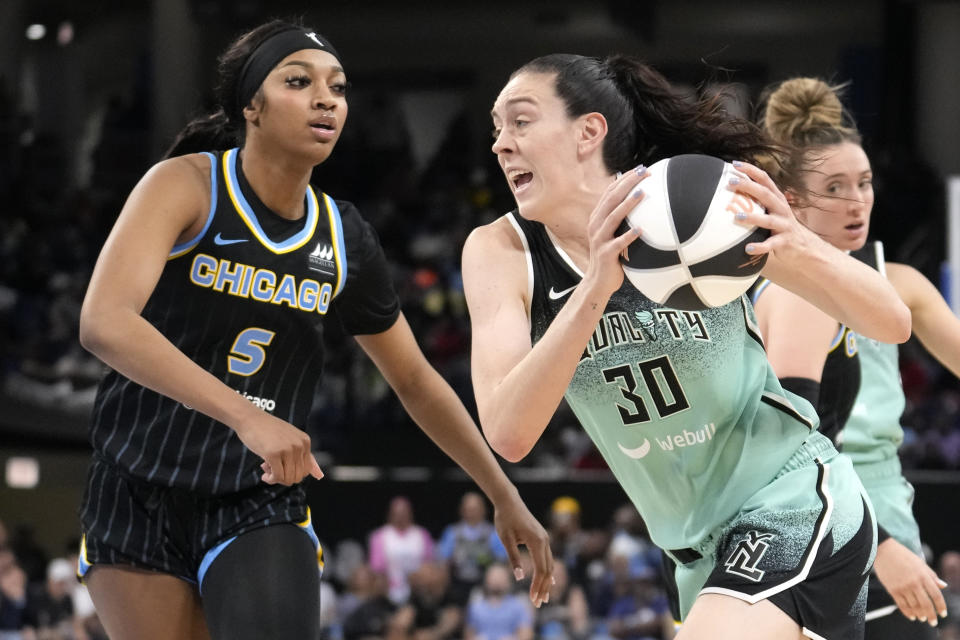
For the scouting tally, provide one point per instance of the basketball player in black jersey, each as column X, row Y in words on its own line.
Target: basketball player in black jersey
column 208, row 301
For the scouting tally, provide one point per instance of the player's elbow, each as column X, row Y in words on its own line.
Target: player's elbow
column 506, row 440
column 94, row 332
column 90, row 338
column 901, row 324
column 509, row 451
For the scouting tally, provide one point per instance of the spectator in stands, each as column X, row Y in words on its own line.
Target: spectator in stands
column 399, row 548
column 498, row 614
column 639, row 610
column 469, row 547
column 630, row 539
column 566, row 615
column 374, row 616
column 432, row 613
column 950, row 573
column 13, row 591
column 50, row 603
column 567, row 539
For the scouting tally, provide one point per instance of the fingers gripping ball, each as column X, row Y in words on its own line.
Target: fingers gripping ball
column 690, row 253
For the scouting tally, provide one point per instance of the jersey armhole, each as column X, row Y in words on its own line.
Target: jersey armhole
column 529, row 259
column 185, row 247
column 336, row 236
column 881, row 259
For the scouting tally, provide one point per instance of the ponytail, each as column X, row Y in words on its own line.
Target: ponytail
column 668, row 123
column 210, row 132
column 647, row 118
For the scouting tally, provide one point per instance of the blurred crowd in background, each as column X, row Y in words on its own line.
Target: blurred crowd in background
column 403, row 582
column 424, row 585
column 51, row 233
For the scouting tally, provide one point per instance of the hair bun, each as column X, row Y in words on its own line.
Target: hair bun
column 802, row 105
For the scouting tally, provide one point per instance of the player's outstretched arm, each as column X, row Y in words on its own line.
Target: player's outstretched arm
column 435, row 407
column 798, row 260
column 934, row 323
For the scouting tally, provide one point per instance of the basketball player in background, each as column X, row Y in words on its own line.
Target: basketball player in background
column 828, row 182
column 208, row 301
column 768, row 525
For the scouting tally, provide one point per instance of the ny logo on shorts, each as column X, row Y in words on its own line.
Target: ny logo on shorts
column 747, row 554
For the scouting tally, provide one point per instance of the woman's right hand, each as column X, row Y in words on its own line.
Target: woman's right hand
column 622, row 195
column 914, row 586
column 285, row 450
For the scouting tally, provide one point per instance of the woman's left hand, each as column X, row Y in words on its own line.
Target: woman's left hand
column 787, row 235
column 516, row 525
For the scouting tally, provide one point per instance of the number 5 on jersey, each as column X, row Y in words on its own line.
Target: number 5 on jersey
column 247, row 354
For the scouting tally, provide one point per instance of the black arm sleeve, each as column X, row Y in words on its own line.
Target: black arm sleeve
column 882, row 534
column 806, row 388
column 809, row 389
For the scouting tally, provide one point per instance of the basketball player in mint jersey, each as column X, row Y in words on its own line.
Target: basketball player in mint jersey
column 768, row 525
column 828, row 182
column 208, row 302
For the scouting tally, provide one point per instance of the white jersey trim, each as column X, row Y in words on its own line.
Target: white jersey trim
column 879, row 613
column 563, row 254
column 752, row 327
column 529, row 257
column 811, row 634
column 811, row 554
column 881, row 260
column 784, row 404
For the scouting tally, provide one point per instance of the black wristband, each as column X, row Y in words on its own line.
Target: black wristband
column 882, row 534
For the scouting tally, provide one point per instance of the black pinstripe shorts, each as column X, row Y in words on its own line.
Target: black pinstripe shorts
column 126, row 520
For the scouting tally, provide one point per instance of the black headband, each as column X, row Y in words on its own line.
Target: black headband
column 270, row 52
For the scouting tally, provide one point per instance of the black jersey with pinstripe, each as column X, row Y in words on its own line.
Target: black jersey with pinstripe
column 246, row 300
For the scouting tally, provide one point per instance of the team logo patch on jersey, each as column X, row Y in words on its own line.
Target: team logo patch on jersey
column 553, row 294
column 638, row 452
column 748, row 553
column 647, row 323
column 220, row 240
column 321, row 259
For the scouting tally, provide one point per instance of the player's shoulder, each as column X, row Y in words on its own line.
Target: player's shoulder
column 186, row 174
column 494, row 257
column 772, row 296
column 499, row 238
column 776, row 305
column 346, row 208
column 358, row 233
column 899, row 272
column 352, row 220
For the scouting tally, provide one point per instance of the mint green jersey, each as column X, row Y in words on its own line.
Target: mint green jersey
column 683, row 405
column 873, row 433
